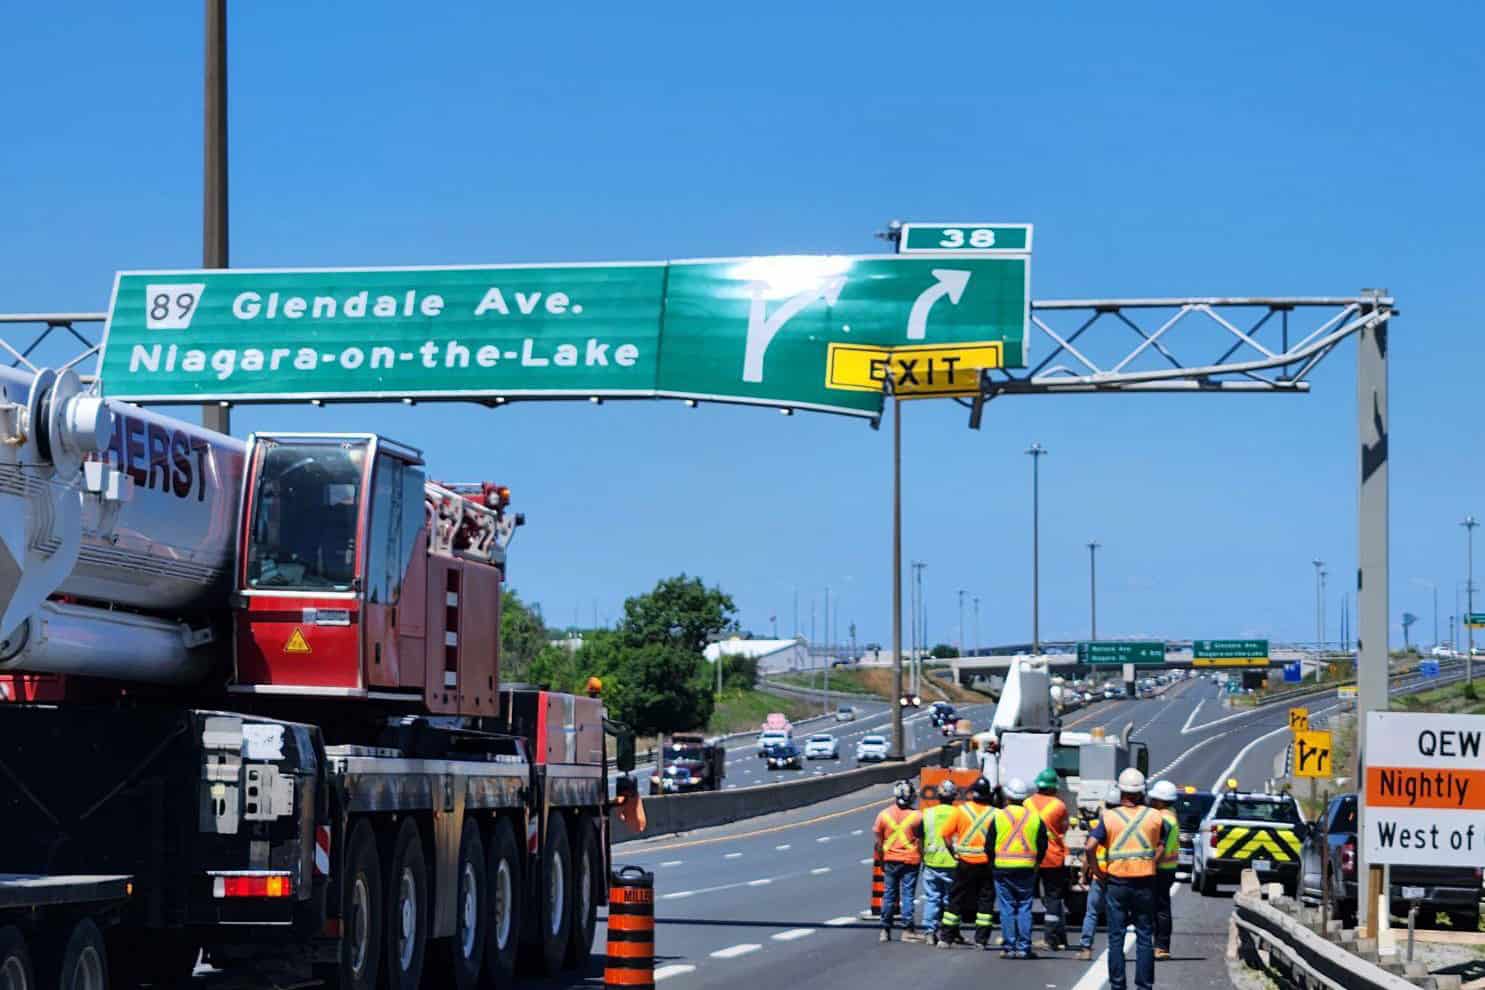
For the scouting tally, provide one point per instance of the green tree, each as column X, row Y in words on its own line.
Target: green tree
column 681, row 612
column 556, row 668
column 944, row 651
column 739, row 673
column 657, row 687
column 522, row 636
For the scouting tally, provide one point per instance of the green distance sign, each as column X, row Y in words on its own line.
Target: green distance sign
column 1229, row 649
column 1142, row 653
column 964, row 238
column 754, row 330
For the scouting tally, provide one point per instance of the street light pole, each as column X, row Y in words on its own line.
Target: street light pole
column 977, row 625
column 896, row 574
column 1319, row 631
column 216, row 416
column 827, row 649
column 961, row 622
column 1093, row 546
column 1469, row 525
column 1037, row 452
column 1323, row 575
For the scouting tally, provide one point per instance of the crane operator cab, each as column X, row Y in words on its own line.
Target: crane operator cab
column 359, row 578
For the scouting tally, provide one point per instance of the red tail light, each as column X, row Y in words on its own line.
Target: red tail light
column 1212, row 837
column 1348, row 859
column 253, row 885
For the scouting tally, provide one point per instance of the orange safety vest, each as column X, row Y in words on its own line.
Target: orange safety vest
column 967, row 830
column 1016, row 831
column 1053, row 813
column 1170, row 853
column 894, row 829
column 1133, row 841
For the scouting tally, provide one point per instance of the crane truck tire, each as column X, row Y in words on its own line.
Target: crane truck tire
column 360, row 914
column 407, row 910
column 587, row 878
column 461, row 956
column 503, row 891
column 84, row 959
column 16, row 972
column 554, row 899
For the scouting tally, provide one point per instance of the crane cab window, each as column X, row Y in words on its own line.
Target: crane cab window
column 306, row 506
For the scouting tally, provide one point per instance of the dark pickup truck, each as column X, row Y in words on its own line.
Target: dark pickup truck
column 1454, row 890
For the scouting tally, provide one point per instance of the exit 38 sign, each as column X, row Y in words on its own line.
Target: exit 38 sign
column 922, row 370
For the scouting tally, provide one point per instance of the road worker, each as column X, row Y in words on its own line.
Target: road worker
column 1095, row 878
column 973, row 893
column 1133, row 836
column 937, row 876
column 1163, row 799
column 1019, row 843
column 899, row 844
column 1052, row 874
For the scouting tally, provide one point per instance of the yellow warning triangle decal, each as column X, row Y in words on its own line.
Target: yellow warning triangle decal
column 297, row 643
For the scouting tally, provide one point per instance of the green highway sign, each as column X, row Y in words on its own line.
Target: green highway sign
column 756, row 330
column 1476, row 619
column 1119, row 653
column 1229, row 649
column 964, row 238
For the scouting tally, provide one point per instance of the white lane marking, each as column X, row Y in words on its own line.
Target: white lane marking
column 1192, row 717
column 819, row 871
column 674, row 969
column 733, row 856
column 857, row 831
column 792, row 934
column 733, row 951
column 782, row 848
column 823, row 838
column 867, row 861
column 672, row 862
column 1221, row 783
column 843, row 920
column 676, row 895
column 760, row 883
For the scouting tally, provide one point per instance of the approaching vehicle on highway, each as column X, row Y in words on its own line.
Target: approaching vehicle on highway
column 871, row 749
column 940, row 713
column 822, row 746
column 1442, row 652
column 1451, row 889
column 772, row 738
column 1192, row 806
column 1249, row 830
column 705, row 765
column 845, row 713
column 676, row 780
column 1109, row 694
column 784, row 757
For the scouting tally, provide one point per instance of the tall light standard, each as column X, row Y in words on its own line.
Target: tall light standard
column 1433, row 587
column 1093, row 546
column 961, row 622
column 977, row 625
column 1037, row 452
column 1323, row 575
column 827, row 648
column 1319, row 603
column 1469, row 524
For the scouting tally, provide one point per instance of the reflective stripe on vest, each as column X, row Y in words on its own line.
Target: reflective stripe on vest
column 1170, row 853
column 1132, row 840
column 1053, row 814
column 970, row 845
column 1016, row 830
column 898, row 835
column 935, row 850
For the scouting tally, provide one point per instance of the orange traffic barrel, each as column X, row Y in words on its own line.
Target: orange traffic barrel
column 878, row 884
column 631, row 929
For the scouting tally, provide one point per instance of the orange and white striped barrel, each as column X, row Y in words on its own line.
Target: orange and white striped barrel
column 878, row 884
column 631, row 929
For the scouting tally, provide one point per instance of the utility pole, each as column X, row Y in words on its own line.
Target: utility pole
column 1323, row 575
column 896, row 573
column 216, row 416
column 796, row 613
column 915, row 611
column 1319, row 628
column 961, row 622
column 1037, row 452
column 977, row 625
column 828, row 658
column 1093, row 546
column 1469, row 525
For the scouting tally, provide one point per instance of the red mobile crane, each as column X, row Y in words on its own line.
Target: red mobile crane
column 250, row 705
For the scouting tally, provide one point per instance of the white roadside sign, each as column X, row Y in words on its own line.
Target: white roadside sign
column 1425, row 788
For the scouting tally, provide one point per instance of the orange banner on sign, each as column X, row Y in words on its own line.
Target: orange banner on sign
column 1418, row 787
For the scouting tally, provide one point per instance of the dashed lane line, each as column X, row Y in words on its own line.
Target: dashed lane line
column 760, row 831
column 673, row 862
column 783, row 847
column 733, row 951
column 673, row 969
column 819, row 871
column 765, row 881
column 842, row 921
column 792, row 934
column 733, row 856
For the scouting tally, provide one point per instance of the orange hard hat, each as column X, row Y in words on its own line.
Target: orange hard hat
column 595, row 686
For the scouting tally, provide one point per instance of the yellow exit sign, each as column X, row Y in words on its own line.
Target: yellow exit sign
column 917, row 371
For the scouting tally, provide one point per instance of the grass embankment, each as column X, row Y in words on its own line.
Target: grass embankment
column 740, row 711
column 1453, row 699
column 879, row 681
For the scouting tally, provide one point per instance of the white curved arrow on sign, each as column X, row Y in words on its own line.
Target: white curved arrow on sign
column 763, row 327
column 948, row 282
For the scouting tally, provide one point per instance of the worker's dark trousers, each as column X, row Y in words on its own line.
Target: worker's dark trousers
column 1165, row 880
column 1054, row 905
column 972, row 897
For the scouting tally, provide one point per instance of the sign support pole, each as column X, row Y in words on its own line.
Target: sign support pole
column 215, row 415
column 897, row 749
column 1371, row 577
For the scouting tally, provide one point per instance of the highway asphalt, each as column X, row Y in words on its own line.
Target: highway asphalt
column 775, row 901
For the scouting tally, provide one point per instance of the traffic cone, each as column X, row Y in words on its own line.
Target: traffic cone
column 631, row 929
column 878, row 884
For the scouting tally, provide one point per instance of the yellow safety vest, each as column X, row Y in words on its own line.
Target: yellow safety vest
column 936, row 851
column 1170, row 854
column 1133, row 838
column 1016, row 831
column 970, row 824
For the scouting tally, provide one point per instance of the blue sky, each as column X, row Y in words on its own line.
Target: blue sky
column 1280, row 150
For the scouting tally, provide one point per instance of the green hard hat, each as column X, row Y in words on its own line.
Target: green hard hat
column 1046, row 779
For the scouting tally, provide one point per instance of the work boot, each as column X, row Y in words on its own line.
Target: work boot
column 1028, row 954
column 944, row 943
column 1162, row 954
column 911, row 935
column 1085, row 954
column 886, row 935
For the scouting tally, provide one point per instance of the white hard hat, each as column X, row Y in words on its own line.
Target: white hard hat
column 1111, row 797
column 1163, row 790
column 1131, row 781
column 1016, row 789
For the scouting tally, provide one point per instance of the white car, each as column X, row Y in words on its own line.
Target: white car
column 1442, row 652
column 822, row 746
column 871, row 749
column 773, row 737
column 845, row 713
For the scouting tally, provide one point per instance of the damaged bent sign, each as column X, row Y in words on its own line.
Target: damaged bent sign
column 756, row 330
column 1425, row 789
